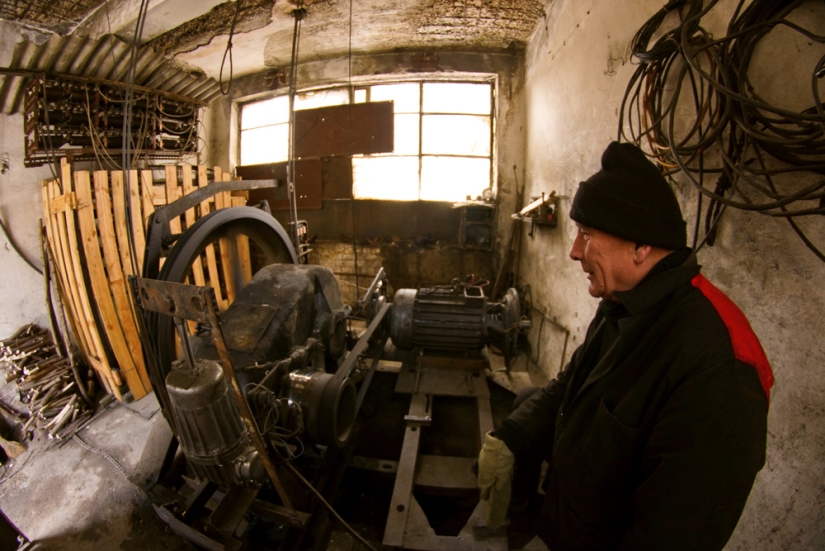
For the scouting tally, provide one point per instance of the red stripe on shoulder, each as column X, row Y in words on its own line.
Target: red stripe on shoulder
column 746, row 345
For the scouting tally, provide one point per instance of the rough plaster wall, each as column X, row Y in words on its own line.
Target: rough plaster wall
column 22, row 298
column 510, row 155
column 576, row 72
column 263, row 39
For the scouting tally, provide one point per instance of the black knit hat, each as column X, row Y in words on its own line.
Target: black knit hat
column 629, row 198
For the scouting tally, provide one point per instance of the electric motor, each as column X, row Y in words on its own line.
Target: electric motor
column 209, row 426
column 454, row 317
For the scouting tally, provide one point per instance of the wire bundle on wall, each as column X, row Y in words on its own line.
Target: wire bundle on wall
column 743, row 140
column 83, row 118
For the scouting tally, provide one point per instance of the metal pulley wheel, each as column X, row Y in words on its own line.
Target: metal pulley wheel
column 267, row 238
column 511, row 323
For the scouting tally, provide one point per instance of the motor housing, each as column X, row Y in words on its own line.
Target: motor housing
column 455, row 318
column 209, row 426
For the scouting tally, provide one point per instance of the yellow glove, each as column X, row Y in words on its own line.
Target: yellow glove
column 495, row 470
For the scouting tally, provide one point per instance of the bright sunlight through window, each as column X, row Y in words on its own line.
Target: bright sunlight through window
column 443, row 148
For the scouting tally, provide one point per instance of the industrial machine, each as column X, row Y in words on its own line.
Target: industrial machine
column 263, row 397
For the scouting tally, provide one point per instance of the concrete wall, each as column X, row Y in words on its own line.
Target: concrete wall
column 576, row 72
column 21, row 288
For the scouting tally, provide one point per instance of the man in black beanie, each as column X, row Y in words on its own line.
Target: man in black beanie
column 654, row 431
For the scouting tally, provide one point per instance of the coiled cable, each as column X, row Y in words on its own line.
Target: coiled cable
column 734, row 134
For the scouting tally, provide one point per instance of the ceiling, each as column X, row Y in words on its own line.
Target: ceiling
column 192, row 36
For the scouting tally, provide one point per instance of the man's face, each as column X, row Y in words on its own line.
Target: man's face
column 606, row 259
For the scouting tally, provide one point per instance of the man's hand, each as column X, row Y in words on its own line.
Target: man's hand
column 495, row 470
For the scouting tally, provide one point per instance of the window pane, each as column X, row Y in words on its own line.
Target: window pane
column 361, row 95
column 453, row 178
column 457, row 97
column 406, row 96
column 392, row 178
column 266, row 112
column 456, row 135
column 265, row 145
column 321, row 98
column 406, row 135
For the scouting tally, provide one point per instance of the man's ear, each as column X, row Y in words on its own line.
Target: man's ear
column 641, row 252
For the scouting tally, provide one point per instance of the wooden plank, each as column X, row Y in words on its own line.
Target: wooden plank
column 159, row 195
column 136, row 218
column 56, row 204
column 227, row 248
column 87, row 318
column 60, row 273
column 112, row 322
column 173, row 192
column 147, row 194
column 121, row 225
column 244, row 258
column 118, row 282
column 211, row 260
column 191, row 215
column 73, row 290
column 55, row 244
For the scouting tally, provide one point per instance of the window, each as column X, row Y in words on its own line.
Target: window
column 443, row 148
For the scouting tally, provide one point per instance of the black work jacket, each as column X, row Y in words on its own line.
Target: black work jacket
column 656, row 441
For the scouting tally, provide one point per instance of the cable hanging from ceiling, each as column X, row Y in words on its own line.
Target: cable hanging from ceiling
column 765, row 158
column 298, row 13
column 228, row 51
column 128, row 112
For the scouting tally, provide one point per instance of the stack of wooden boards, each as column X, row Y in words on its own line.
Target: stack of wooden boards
column 88, row 234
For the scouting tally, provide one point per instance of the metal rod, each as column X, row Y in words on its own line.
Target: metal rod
column 180, row 325
column 211, row 310
column 361, row 345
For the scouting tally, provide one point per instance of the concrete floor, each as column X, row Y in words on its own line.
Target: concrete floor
column 62, row 496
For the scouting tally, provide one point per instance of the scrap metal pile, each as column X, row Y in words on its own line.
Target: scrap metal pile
column 47, row 382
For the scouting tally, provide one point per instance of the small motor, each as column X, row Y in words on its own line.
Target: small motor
column 209, row 426
column 455, row 318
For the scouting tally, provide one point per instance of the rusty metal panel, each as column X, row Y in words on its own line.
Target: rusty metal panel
column 307, row 184
column 336, row 177
column 361, row 128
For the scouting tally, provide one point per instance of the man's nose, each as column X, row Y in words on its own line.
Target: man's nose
column 576, row 249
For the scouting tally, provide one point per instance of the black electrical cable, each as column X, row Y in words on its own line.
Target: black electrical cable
column 57, row 174
column 17, row 249
column 128, row 111
column 349, row 133
column 298, row 13
column 228, row 51
column 799, row 231
column 736, row 134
